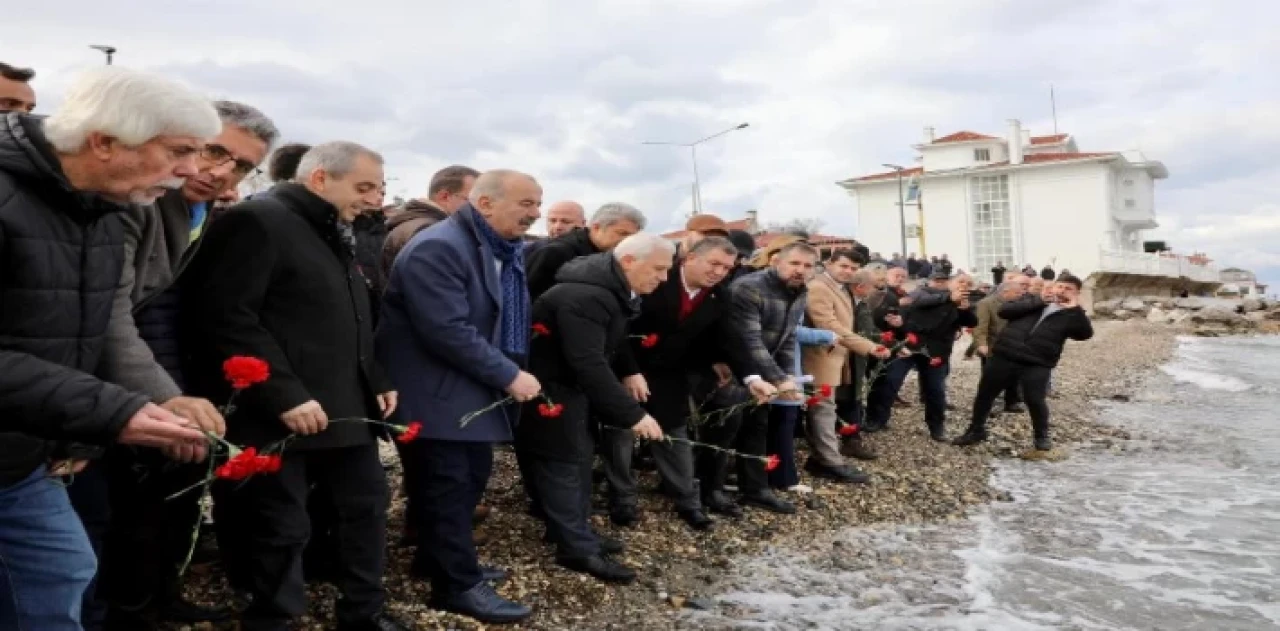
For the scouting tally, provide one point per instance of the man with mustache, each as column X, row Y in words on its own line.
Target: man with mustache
column 118, row 136
column 146, row 541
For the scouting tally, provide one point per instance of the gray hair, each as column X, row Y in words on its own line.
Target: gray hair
column 337, row 158
column 642, row 245
column 613, row 212
column 493, row 184
column 711, row 243
column 132, row 106
column 862, row 277
column 876, row 267
column 249, row 119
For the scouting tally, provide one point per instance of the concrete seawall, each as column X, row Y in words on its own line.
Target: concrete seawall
column 1103, row 286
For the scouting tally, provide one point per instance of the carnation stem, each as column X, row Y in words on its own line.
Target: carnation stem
column 694, row 443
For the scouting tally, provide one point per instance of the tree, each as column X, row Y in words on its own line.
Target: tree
column 806, row 227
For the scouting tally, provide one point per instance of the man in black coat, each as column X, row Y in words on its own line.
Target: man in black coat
column 119, row 137
column 611, row 224
column 276, row 279
column 586, row 315
column 681, row 331
column 1025, row 353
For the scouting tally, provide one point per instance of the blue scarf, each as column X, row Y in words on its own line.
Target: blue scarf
column 515, row 291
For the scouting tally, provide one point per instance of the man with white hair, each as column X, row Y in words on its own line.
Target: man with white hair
column 146, row 542
column 276, row 278
column 119, row 137
column 585, row 318
column 611, row 223
column 454, row 335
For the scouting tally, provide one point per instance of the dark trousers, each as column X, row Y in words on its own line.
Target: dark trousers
column 525, row 463
column 90, row 498
column 998, row 376
column 781, row 442
column 273, row 509
column 743, row 431
column 1011, row 395
column 453, row 479
column 564, row 490
column 933, row 389
column 673, row 459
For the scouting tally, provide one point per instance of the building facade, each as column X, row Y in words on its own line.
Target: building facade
column 1017, row 200
column 1242, row 283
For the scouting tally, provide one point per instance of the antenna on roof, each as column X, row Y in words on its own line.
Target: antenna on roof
column 1053, row 105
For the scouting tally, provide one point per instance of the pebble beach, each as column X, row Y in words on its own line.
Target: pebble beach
column 914, row 480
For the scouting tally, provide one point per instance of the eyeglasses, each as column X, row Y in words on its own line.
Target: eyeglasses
column 219, row 155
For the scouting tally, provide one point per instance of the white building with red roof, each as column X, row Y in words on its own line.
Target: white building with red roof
column 1018, row 199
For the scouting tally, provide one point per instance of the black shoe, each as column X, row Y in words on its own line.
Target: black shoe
column 483, row 604
column 938, row 434
column 380, row 622
column 842, row 473
column 971, row 437
column 1015, row 408
column 609, row 545
column 718, row 503
column 770, row 502
column 601, row 568
column 625, row 516
column 697, row 519
column 857, row 448
column 181, row 611
column 1043, row 443
column 492, row 574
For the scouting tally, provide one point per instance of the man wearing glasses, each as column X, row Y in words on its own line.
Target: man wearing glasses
column 145, row 537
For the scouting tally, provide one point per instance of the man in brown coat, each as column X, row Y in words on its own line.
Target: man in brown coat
column 831, row 307
column 990, row 324
column 449, row 189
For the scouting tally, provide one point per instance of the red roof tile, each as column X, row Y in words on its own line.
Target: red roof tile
column 1048, row 140
column 962, row 136
column 890, row 175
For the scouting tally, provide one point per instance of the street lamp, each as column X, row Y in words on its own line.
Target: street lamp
column 693, row 151
column 106, row 50
column 902, row 205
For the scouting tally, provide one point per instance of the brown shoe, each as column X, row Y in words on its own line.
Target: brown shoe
column 481, row 514
column 854, row 447
column 479, row 538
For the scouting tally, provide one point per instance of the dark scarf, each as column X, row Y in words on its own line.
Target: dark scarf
column 515, row 291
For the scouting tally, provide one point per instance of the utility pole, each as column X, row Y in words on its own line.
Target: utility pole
column 109, row 51
column 902, row 207
column 693, row 152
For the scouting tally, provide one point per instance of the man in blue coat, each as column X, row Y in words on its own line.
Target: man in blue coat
column 454, row 336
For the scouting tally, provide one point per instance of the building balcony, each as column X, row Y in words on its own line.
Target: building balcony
column 1161, row 265
column 1135, row 218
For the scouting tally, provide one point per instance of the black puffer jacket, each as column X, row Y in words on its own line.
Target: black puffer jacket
column 1028, row 339
column 546, row 260
column 587, row 313
column 61, row 254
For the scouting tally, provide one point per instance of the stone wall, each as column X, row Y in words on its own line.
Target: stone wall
column 1203, row 316
column 1106, row 286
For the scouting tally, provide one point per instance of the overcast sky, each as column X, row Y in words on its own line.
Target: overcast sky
column 567, row 90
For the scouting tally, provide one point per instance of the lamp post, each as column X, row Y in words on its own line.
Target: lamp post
column 106, row 50
column 902, row 205
column 693, row 151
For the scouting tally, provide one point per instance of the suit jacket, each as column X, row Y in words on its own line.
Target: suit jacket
column 830, row 307
column 440, row 330
column 274, row 280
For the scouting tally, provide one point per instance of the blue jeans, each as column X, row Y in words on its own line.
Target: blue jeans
column 46, row 562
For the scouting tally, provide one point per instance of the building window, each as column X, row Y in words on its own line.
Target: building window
column 992, row 222
column 1129, row 203
column 982, row 155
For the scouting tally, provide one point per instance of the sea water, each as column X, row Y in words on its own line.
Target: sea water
column 1179, row 529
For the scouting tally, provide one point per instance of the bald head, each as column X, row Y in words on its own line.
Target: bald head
column 565, row 216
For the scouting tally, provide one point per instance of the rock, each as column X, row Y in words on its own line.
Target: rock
column 1123, row 398
column 1122, row 314
column 1157, row 316
column 1196, row 303
column 1274, row 314
column 1252, row 304
column 700, row 604
column 1217, row 317
column 1106, row 307
column 1178, row 315
column 1133, row 304
column 677, row 601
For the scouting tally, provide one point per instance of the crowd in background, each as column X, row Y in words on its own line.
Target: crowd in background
column 131, row 271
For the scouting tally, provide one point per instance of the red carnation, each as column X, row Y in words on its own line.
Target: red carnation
column 825, row 390
column 270, row 464
column 848, row 429
column 550, row 410
column 887, row 337
column 541, row 329
column 912, row 340
column 409, row 432
column 239, row 466
column 650, row 340
column 772, row 462
column 243, row 371
column 812, row 401
column 935, row 362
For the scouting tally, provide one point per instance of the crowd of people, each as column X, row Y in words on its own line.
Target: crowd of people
column 131, row 271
